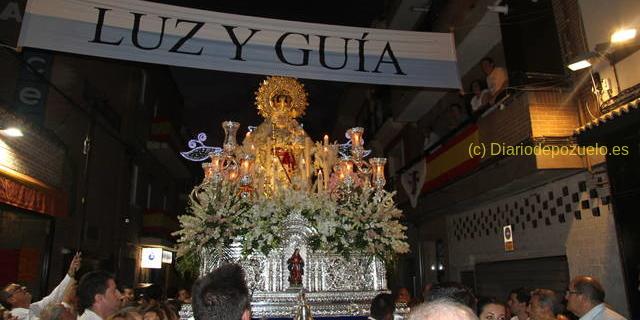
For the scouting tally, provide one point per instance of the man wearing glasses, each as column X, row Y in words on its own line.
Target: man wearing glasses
column 585, row 298
column 18, row 299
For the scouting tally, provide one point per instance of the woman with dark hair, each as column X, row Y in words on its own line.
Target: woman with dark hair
column 491, row 309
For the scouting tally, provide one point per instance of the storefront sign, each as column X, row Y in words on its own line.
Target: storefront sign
column 31, row 87
column 157, row 33
column 507, row 233
column 167, row 256
column 151, row 258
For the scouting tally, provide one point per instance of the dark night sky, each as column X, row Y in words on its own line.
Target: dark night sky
column 212, row 97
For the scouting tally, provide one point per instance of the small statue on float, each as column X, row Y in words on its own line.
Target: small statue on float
column 296, row 269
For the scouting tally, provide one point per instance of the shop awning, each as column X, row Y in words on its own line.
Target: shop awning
column 610, row 122
column 27, row 193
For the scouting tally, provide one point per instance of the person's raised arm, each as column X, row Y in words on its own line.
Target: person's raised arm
column 57, row 294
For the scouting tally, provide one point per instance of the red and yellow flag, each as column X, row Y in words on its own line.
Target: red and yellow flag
column 452, row 159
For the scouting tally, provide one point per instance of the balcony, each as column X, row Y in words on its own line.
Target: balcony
column 529, row 118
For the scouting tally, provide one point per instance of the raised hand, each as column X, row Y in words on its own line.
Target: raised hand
column 75, row 264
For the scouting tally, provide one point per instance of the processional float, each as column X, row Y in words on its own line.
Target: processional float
column 298, row 216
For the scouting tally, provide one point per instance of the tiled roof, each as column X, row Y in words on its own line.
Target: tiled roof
column 617, row 113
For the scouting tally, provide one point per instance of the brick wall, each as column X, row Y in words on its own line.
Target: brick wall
column 33, row 154
column 571, row 216
column 552, row 114
column 510, row 126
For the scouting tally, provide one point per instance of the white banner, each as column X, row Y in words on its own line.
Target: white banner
column 413, row 180
column 164, row 34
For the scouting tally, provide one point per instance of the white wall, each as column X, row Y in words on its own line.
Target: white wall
column 588, row 242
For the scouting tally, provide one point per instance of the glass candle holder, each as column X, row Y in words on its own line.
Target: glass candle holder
column 231, row 171
column 206, row 168
column 377, row 172
column 230, row 131
column 215, row 167
column 246, row 166
column 357, row 142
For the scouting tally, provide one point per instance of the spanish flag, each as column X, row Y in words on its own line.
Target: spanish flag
column 452, row 160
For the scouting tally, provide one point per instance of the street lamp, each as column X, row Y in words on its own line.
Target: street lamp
column 604, row 51
column 623, row 35
column 619, row 46
column 587, row 59
column 582, row 61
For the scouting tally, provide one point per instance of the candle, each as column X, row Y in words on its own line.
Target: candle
column 232, row 172
column 307, row 156
column 245, row 165
column 378, row 172
column 320, row 181
column 355, row 135
column 216, row 162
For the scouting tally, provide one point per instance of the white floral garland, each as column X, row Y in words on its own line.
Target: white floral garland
column 367, row 221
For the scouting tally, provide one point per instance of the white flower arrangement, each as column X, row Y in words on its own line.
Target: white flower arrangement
column 366, row 221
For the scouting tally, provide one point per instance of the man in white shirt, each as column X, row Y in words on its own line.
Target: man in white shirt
column 98, row 296
column 518, row 302
column 585, row 298
column 17, row 298
column 497, row 79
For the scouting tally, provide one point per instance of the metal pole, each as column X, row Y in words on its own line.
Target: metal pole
column 86, row 151
column 615, row 74
column 420, row 266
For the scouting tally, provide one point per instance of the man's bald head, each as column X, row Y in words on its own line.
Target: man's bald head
column 442, row 309
column 589, row 287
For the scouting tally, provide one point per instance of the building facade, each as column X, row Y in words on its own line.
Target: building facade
column 97, row 168
column 564, row 211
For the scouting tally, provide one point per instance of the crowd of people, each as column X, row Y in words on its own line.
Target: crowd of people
column 584, row 300
column 223, row 295
column 94, row 297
